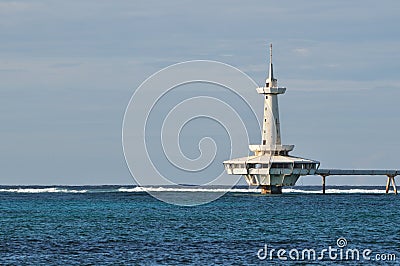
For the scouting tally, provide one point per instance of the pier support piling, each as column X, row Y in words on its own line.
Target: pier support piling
column 388, row 184
column 391, row 179
column 272, row 189
column 323, row 184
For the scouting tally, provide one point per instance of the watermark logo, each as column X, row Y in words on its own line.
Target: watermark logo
column 183, row 122
column 341, row 242
column 340, row 252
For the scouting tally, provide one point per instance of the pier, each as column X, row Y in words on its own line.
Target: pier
column 391, row 174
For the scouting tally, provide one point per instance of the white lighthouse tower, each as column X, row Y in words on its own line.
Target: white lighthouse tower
column 271, row 167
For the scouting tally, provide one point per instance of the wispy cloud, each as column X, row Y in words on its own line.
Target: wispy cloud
column 339, row 85
column 75, row 54
column 301, row 51
column 13, row 6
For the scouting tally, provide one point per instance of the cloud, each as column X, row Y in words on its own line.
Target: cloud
column 301, row 51
column 6, row 7
column 339, row 85
column 81, row 60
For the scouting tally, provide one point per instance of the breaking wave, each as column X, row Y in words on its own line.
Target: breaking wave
column 133, row 189
column 171, row 189
column 43, row 190
column 336, row 191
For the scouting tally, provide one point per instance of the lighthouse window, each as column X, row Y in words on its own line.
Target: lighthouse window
column 266, row 97
column 281, row 165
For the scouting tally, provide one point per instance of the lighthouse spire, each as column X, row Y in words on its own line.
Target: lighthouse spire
column 271, row 81
column 271, row 71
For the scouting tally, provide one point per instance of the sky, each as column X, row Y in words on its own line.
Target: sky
column 69, row 68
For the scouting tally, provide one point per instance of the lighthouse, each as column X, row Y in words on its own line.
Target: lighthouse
column 271, row 134
column 271, row 167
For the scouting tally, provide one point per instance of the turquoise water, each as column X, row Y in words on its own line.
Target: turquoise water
column 117, row 226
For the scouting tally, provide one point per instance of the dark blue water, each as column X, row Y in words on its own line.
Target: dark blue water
column 104, row 226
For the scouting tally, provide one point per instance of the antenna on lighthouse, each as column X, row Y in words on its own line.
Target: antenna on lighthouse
column 271, row 71
column 270, row 53
column 271, row 81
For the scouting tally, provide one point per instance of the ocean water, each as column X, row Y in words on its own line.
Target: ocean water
column 115, row 225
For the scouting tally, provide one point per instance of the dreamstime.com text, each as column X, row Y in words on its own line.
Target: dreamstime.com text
column 341, row 252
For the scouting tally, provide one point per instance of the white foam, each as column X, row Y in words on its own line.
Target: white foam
column 336, row 191
column 167, row 189
column 43, row 190
column 356, row 191
column 252, row 190
column 292, row 190
column 191, row 189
